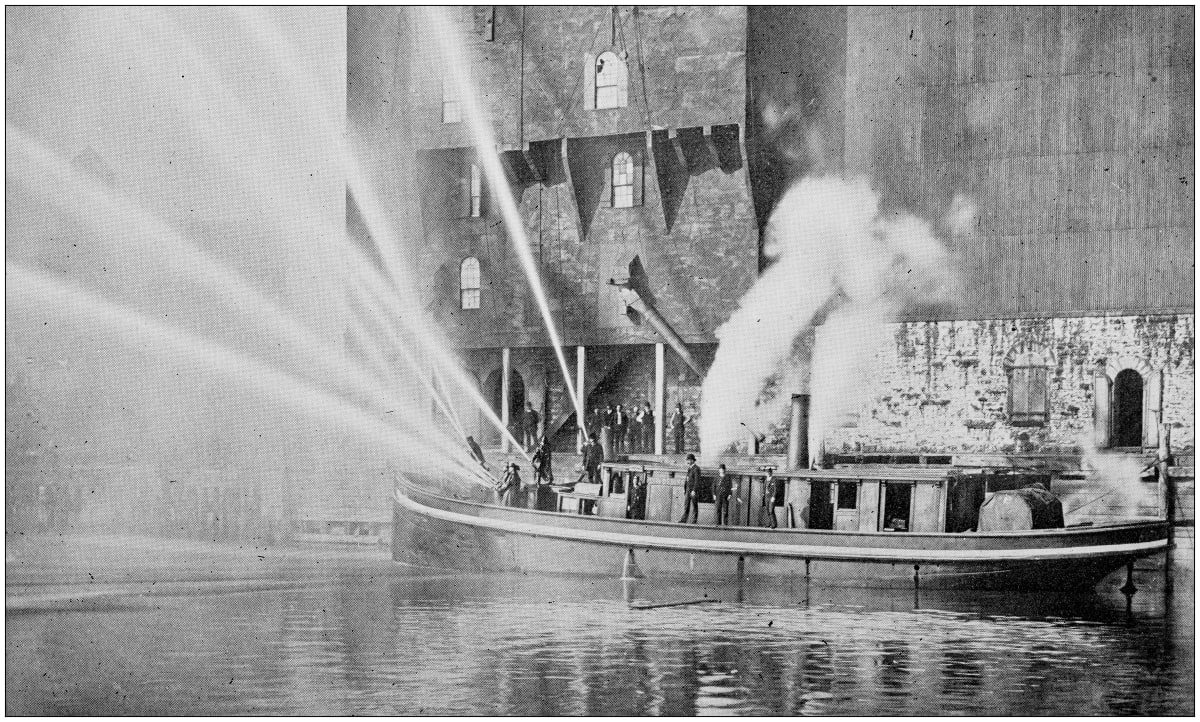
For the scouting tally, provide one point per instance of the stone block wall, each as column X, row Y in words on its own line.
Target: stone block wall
column 941, row 387
column 686, row 67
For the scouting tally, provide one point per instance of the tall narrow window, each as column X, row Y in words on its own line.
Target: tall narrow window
column 451, row 113
column 476, row 181
column 612, row 81
column 1127, row 409
column 1028, row 389
column 468, row 282
column 622, row 181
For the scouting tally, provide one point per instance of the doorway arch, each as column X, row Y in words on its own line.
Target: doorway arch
column 1127, row 409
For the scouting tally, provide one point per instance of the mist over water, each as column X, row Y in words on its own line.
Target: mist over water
column 184, row 302
column 840, row 267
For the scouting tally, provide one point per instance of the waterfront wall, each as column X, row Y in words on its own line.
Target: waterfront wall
column 941, row 387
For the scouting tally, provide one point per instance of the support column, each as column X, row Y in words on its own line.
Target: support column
column 505, row 371
column 660, row 386
column 580, row 389
column 1103, row 409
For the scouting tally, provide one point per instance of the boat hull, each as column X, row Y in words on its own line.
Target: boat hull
column 437, row 531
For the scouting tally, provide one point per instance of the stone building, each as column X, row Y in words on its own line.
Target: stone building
column 650, row 145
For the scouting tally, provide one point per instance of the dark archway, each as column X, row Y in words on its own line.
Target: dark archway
column 1127, row 409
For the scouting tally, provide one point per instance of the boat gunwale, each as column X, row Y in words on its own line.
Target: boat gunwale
column 940, row 535
column 850, row 554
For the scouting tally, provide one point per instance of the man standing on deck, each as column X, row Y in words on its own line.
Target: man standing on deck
column 637, row 498
column 529, row 427
column 510, row 485
column 722, row 493
column 542, row 471
column 593, row 456
column 691, row 492
column 770, row 485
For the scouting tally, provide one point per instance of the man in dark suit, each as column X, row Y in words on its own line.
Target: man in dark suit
column 620, row 423
column 543, row 473
column 678, row 421
column 771, row 485
column 595, row 422
column 691, row 492
column 647, row 429
column 529, row 427
column 722, row 494
column 637, row 498
column 593, row 456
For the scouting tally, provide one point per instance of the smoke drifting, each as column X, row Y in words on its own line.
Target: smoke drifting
column 840, row 268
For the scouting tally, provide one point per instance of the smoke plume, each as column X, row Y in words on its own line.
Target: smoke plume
column 840, row 266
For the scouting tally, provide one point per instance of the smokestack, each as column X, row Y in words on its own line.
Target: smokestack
column 798, row 433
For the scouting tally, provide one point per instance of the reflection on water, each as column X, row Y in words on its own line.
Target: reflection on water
column 366, row 638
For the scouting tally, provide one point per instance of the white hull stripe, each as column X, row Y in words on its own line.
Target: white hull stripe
column 788, row 550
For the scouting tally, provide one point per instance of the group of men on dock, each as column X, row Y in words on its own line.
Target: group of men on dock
column 632, row 432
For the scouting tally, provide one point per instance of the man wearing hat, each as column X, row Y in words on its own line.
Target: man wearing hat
column 723, row 492
column 509, row 485
column 691, row 492
column 593, row 456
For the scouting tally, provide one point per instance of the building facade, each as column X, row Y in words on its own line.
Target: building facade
column 650, row 145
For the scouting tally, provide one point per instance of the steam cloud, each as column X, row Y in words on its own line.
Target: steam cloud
column 840, row 267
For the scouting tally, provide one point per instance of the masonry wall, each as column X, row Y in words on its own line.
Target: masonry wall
column 941, row 387
column 686, row 68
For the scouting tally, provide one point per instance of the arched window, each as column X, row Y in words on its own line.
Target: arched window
column 468, row 282
column 612, row 81
column 1028, row 387
column 622, row 180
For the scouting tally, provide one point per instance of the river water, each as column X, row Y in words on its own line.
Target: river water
column 112, row 625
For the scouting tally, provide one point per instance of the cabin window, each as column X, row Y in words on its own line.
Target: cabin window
column 1127, row 409
column 1028, row 389
column 468, row 283
column 704, row 492
column 612, row 82
column 847, row 495
column 897, row 507
column 451, row 111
